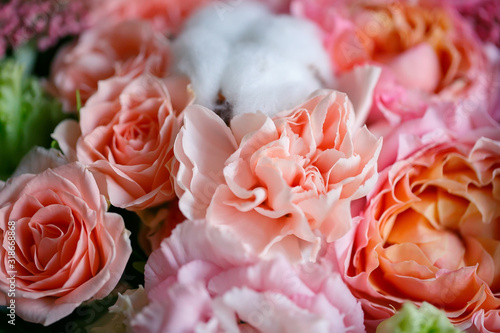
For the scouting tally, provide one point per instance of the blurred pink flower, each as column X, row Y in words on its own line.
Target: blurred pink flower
column 109, row 49
column 200, row 279
column 427, row 51
column 430, row 233
column 166, row 16
column 45, row 21
column 67, row 248
column 126, row 135
column 285, row 181
column 484, row 16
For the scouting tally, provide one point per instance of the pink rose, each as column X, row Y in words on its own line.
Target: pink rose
column 108, row 49
column 285, row 181
column 166, row 16
column 67, row 248
column 126, row 135
column 430, row 232
column 201, row 280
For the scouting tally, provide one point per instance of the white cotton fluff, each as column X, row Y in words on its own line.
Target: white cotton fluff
column 227, row 22
column 257, row 80
column 245, row 59
column 202, row 56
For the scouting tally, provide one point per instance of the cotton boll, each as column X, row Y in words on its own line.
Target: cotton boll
column 246, row 59
column 294, row 39
column 256, row 79
column 227, row 20
column 202, row 56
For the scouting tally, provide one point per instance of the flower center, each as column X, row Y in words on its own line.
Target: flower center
column 452, row 218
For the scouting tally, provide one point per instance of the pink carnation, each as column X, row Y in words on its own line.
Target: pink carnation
column 109, row 49
column 285, row 181
column 201, row 280
column 440, row 122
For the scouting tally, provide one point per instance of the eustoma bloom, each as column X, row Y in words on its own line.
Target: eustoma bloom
column 431, row 232
column 60, row 241
column 128, row 48
column 126, row 135
column 286, row 181
column 202, row 280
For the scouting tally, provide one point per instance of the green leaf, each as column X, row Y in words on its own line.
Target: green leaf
column 28, row 115
column 410, row 319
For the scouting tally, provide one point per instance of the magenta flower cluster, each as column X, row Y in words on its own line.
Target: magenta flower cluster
column 45, row 21
column 485, row 18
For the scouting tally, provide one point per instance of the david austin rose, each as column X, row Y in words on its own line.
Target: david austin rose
column 62, row 245
column 283, row 182
column 126, row 135
column 431, row 233
column 202, row 280
column 426, row 49
column 106, row 50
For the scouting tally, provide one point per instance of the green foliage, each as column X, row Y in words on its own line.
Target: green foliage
column 28, row 114
column 410, row 319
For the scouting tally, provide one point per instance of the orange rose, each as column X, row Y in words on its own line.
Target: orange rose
column 400, row 33
column 431, row 233
column 426, row 50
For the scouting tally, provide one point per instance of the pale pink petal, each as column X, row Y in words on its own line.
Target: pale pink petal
column 202, row 147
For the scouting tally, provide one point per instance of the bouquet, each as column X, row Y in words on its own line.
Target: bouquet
column 250, row 166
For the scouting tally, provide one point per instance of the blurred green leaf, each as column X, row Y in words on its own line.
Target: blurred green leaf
column 28, row 114
column 410, row 319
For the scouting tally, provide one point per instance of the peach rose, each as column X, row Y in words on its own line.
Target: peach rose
column 281, row 182
column 431, row 232
column 106, row 50
column 59, row 245
column 426, row 49
column 126, row 135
